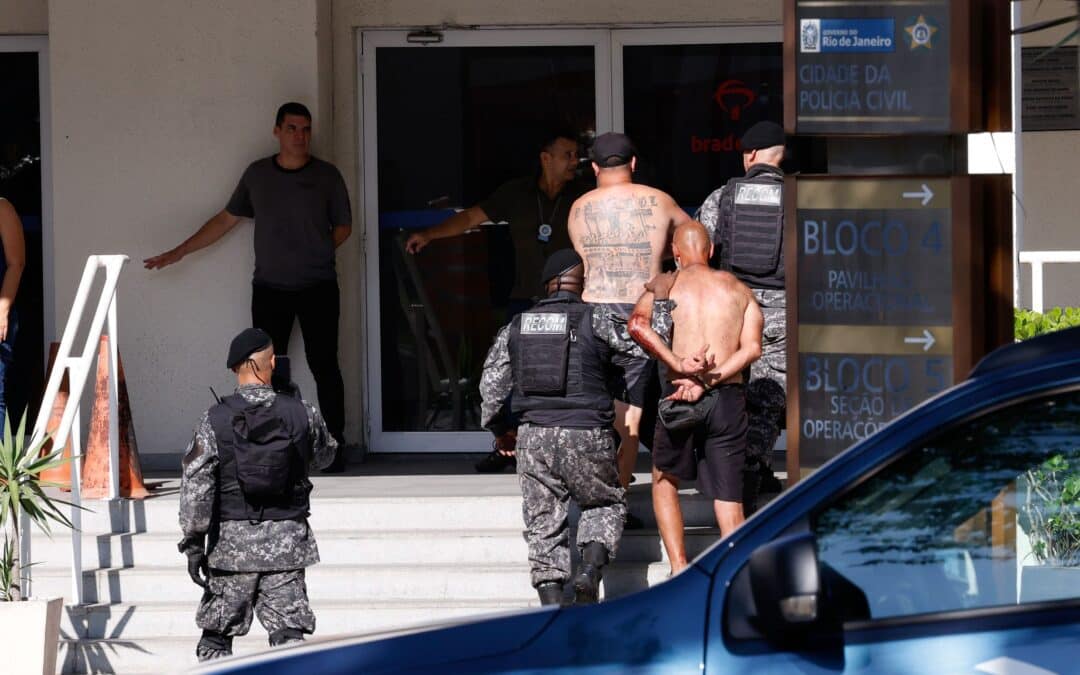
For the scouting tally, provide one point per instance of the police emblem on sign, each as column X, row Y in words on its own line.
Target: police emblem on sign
column 758, row 195
column 810, row 36
column 543, row 323
column 919, row 32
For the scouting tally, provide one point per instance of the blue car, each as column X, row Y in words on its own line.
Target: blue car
column 949, row 542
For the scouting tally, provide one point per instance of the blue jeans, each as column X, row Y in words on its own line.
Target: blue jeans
column 7, row 356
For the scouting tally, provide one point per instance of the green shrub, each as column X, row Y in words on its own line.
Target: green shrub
column 1028, row 324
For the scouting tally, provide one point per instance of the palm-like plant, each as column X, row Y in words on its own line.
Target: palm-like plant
column 23, row 492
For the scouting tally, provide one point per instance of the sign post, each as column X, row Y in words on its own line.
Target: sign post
column 891, row 291
column 898, row 277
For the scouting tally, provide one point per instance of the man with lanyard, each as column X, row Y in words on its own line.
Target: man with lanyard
column 302, row 214
column 534, row 209
column 547, row 386
column 746, row 221
column 244, row 504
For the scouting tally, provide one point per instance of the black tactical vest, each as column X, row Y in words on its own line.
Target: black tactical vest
column 750, row 229
column 233, row 504
column 559, row 367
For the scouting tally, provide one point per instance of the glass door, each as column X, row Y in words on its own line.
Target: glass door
column 686, row 95
column 443, row 125
column 25, row 182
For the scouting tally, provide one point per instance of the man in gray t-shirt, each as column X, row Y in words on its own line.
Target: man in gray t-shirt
column 301, row 211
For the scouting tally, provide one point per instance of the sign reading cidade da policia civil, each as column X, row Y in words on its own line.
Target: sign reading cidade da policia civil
column 872, row 68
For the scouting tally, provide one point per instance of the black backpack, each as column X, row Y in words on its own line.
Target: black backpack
column 267, row 454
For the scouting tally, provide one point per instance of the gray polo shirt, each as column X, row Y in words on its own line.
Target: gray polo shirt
column 294, row 211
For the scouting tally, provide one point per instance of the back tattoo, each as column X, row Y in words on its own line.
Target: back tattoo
column 617, row 244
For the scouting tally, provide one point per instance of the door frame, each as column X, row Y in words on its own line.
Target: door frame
column 368, row 42
column 40, row 45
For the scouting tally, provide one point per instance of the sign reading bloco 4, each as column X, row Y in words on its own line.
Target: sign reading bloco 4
column 888, row 273
column 864, row 67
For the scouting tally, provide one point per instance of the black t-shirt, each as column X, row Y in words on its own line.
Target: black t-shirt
column 524, row 207
column 294, row 211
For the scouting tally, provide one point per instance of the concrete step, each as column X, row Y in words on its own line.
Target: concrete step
column 331, row 582
column 368, row 547
column 139, row 621
column 153, row 656
column 494, row 512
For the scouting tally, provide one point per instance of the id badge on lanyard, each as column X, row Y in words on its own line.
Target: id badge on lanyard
column 544, row 230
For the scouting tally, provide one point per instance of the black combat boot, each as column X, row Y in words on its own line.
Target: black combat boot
column 587, row 582
column 550, row 592
column 213, row 645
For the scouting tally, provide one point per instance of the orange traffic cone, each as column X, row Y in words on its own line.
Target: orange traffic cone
column 95, row 476
column 60, row 475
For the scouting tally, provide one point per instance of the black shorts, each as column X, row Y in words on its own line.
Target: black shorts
column 713, row 452
column 633, row 363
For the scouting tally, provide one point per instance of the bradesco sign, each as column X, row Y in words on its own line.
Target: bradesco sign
column 871, row 67
column 874, row 305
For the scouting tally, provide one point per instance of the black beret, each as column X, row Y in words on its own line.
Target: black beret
column 249, row 341
column 559, row 262
column 612, row 149
column 762, row 135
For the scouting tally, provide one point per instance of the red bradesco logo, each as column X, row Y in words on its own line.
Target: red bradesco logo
column 733, row 97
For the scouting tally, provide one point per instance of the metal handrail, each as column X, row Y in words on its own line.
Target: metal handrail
column 78, row 367
column 1037, row 259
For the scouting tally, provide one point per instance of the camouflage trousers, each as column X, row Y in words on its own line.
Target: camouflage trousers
column 278, row 598
column 556, row 465
column 766, row 395
column 766, row 392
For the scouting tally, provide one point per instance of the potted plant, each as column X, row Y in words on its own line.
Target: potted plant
column 32, row 624
column 1050, row 516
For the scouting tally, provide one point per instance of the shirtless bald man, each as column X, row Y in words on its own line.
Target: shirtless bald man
column 702, row 429
column 621, row 230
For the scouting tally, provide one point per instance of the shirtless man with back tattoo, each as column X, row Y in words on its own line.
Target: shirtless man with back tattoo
column 701, row 433
column 621, row 230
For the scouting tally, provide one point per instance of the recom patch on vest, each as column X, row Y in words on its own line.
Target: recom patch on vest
column 759, row 195
column 543, row 323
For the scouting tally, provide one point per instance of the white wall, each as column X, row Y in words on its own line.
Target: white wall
column 24, row 17
column 1050, row 179
column 157, row 108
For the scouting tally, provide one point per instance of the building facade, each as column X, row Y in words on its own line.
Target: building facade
column 151, row 111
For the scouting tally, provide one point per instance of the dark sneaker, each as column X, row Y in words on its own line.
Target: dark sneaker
column 770, row 484
column 495, row 462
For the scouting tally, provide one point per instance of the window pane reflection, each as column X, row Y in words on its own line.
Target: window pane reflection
column 987, row 514
column 453, row 125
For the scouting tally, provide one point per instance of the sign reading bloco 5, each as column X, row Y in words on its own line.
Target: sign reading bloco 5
column 881, row 267
column 864, row 67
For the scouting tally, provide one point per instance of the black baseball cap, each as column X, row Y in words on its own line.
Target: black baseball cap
column 249, row 341
column 612, row 149
column 762, row 135
column 558, row 263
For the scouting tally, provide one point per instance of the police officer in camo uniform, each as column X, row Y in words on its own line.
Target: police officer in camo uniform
column 550, row 370
column 746, row 221
column 248, row 550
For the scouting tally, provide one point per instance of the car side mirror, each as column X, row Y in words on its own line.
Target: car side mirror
column 786, row 584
